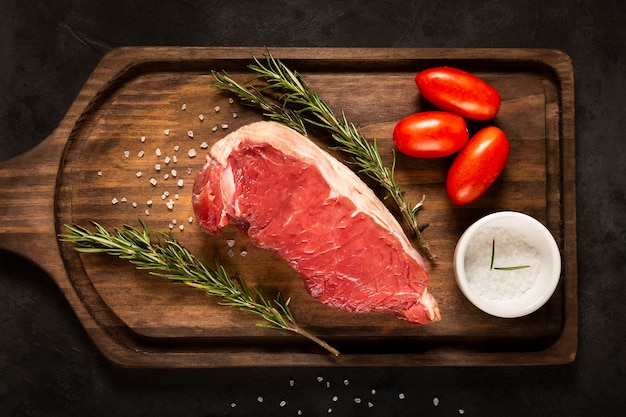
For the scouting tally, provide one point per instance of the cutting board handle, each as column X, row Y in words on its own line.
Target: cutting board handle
column 27, row 187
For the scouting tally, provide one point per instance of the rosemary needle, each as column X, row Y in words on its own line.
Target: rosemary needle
column 503, row 268
column 166, row 257
column 302, row 106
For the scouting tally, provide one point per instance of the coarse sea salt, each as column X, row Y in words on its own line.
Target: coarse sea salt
column 510, row 249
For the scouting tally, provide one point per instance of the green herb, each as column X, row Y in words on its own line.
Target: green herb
column 300, row 105
column 166, row 257
column 503, row 268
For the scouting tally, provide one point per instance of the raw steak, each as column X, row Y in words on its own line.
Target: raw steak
column 313, row 211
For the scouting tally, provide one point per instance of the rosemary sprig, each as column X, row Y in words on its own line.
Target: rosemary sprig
column 300, row 106
column 166, row 257
column 503, row 268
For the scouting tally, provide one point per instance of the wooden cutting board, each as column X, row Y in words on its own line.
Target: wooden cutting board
column 140, row 102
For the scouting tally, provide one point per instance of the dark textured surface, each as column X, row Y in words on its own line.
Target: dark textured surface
column 48, row 366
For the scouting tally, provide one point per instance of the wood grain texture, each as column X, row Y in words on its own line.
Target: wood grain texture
column 97, row 155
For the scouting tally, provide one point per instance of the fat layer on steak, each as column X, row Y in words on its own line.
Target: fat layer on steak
column 297, row 200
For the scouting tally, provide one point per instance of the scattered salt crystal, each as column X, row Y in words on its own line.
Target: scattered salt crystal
column 147, row 212
column 140, row 154
column 224, row 126
column 126, row 154
column 231, row 253
column 166, row 193
column 299, row 412
column 170, row 204
column 190, row 133
column 357, row 400
column 149, row 202
column 320, row 379
column 189, row 171
column 192, row 153
column 401, row 396
column 243, row 253
column 435, row 401
column 217, row 108
column 204, row 145
column 181, row 182
column 173, row 221
column 259, row 399
column 114, row 201
column 157, row 167
column 138, row 174
column 231, row 100
column 201, row 117
column 183, row 107
column 166, row 176
column 373, row 391
column 99, row 173
column 461, row 411
column 330, row 410
column 166, row 132
column 153, row 181
column 190, row 219
column 181, row 227
column 143, row 139
column 346, row 382
column 370, row 405
column 234, row 115
column 171, row 226
column 283, row 403
column 214, row 128
column 176, row 148
column 230, row 242
column 174, row 159
column 167, row 160
column 134, row 204
column 124, row 200
column 176, row 197
column 327, row 384
column 174, row 172
column 233, row 405
column 158, row 152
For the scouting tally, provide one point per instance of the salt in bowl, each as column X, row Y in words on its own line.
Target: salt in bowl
column 507, row 264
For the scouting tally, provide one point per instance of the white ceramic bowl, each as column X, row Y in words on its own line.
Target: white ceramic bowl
column 536, row 235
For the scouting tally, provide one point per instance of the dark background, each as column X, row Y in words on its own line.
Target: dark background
column 48, row 365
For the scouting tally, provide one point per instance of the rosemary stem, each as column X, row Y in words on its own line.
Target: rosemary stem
column 317, row 340
column 166, row 257
column 301, row 106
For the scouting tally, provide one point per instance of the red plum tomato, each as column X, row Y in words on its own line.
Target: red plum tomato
column 459, row 92
column 477, row 166
column 430, row 134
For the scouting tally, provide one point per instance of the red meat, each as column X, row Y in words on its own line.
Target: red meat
column 298, row 201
